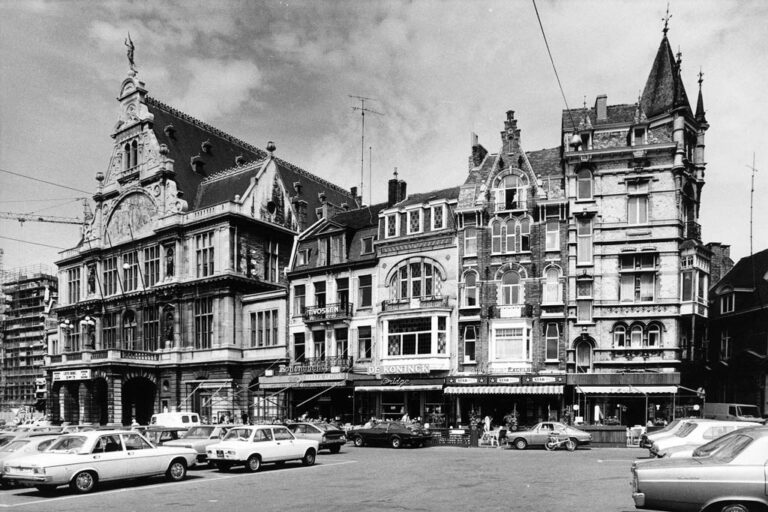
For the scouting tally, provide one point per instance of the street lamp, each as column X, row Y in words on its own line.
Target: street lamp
column 90, row 326
column 67, row 327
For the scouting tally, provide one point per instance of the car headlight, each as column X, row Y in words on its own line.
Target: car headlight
column 343, row 439
column 231, row 452
column 38, row 471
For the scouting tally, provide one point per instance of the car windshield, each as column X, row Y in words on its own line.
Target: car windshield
column 69, row 444
column 198, row 433
column 238, row 434
column 686, row 429
column 734, row 446
column 747, row 411
column 669, row 427
column 715, row 445
column 15, row 445
column 5, row 440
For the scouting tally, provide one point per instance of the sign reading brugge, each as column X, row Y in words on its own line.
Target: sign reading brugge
column 390, row 369
column 72, row 375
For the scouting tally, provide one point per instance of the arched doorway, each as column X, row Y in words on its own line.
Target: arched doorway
column 583, row 355
column 100, row 393
column 138, row 400
column 68, row 406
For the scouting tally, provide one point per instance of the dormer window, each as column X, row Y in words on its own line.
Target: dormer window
column 511, row 192
column 390, row 229
column 586, row 141
column 367, row 245
column 438, row 217
column 130, row 155
column 414, row 221
column 302, row 257
column 728, row 303
column 639, row 136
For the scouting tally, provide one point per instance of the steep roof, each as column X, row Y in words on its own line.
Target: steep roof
column 545, row 162
column 664, row 90
column 616, row 114
column 446, row 193
column 360, row 217
column 742, row 276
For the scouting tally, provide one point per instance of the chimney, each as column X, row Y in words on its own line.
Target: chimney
column 300, row 206
column 401, row 189
column 297, row 187
column 510, row 137
column 601, row 107
column 396, row 190
column 478, row 153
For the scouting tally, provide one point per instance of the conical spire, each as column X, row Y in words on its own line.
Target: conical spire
column 700, row 113
column 664, row 90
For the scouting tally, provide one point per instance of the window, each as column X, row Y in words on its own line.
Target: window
column 470, row 289
column 414, row 279
column 687, row 283
column 511, row 292
column 510, row 240
column 319, row 294
column 323, row 251
column 367, row 245
column 109, row 330
column 510, row 344
column 391, row 225
column 110, row 275
column 584, row 241
column 412, row 336
column 271, row 252
column 299, row 347
column 299, row 298
column 151, row 328
column 552, row 337
column 337, row 250
column 470, row 339
column 364, row 291
column 636, row 336
column 342, row 291
column 496, row 236
column 553, row 235
column 264, row 328
column 584, row 184
column 364, row 342
column 73, row 282
column 204, row 254
column 129, row 330
column 584, row 300
column 438, row 217
column 638, row 277
column 619, row 336
column 414, row 221
column 637, row 202
column 342, row 342
column 130, row 271
column 728, row 303
column 151, row 265
column 586, row 142
column 302, row 258
column 638, row 136
column 552, row 293
column 318, row 340
column 725, row 345
column 654, row 336
column 470, row 242
column 511, row 192
column 73, row 337
column 203, row 322
column 525, row 234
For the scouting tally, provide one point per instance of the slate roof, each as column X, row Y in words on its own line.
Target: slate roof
column 361, row 217
column 616, row 114
column 446, row 193
column 741, row 275
column 545, row 162
column 664, row 90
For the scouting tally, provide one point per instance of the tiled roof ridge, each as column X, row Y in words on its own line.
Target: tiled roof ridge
column 248, row 166
column 591, row 109
column 215, row 131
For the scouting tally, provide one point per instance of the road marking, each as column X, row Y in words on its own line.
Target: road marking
column 98, row 493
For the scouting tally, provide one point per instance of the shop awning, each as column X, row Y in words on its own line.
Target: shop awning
column 310, row 384
column 504, row 390
column 626, row 390
column 405, row 387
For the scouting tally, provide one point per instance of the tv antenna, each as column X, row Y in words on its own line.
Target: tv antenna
column 363, row 109
column 751, row 202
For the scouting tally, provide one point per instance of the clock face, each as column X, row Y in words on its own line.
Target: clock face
column 132, row 218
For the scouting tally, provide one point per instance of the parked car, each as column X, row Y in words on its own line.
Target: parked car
column 182, row 420
column 390, row 433
column 539, row 434
column 21, row 447
column 733, row 412
column 329, row 437
column 731, row 479
column 200, row 438
column 253, row 446
column 161, row 435
column 696, row 432
column 647, row 439
column 703, row 450
column 85, row 459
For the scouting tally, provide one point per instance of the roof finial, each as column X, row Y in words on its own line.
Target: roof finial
column 701, row 77
column 585, row 102
column 395, row 173
column 665, row 19
column 679, row 58
column 129, row 52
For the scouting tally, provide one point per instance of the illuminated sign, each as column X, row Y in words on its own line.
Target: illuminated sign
column 397, row 368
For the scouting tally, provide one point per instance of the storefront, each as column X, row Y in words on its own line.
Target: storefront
column 521, row 400
column 392, row 397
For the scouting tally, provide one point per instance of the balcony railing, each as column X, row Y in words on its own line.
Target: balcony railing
column 431, row 301
column 336, row 311
column 106, row 354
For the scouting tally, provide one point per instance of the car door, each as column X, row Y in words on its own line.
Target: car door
column 265, row 444
column 287, row 448
column 541, row 433
column 108, row 457
column 142, row 456
column 378, row 434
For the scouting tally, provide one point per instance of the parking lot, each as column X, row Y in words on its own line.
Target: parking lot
column 357, row 479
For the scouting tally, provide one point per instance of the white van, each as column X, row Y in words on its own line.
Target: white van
column 733, row 412
column 176, row 419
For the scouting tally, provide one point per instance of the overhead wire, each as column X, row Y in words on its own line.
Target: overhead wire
column 55, row 206
column 29, row 242
column 44, row 181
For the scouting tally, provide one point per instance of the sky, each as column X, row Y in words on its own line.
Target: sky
column 437, row 71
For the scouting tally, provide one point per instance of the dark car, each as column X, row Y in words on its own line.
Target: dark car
column 390, row 433
column 329, row 437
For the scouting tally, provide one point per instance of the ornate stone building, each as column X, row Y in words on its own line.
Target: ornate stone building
column 175, row 295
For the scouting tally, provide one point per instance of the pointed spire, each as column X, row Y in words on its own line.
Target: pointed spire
column 700, row 112
column 664, row 90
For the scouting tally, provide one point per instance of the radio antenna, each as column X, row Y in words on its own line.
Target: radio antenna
column 751, row 202
column 370, row 174
column 363, row 109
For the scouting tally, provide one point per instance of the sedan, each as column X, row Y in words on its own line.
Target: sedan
column 85, row 459
column 253, row 446
column 328, row 436
column 539, row 434
column 696, row 432
column 200, row 438
column 731, row 478
column 390, row 433
column 22, row 447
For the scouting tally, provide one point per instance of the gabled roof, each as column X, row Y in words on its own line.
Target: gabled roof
column 545, row 162
column 424, row 197
column 359, row 218
column 742, row 275
column 664, row 90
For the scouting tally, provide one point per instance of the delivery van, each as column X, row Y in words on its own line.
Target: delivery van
column 175, row 419
column 728, row 411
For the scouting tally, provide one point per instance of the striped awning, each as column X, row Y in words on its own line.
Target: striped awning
column 405, row 387
column 504, row 390
column 626, row 390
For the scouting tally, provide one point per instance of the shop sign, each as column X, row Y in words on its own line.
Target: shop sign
column 72, row 375
column 394, row 381
column 466, row 380
column 505, row 380
column 544, row 379
column 397, row 368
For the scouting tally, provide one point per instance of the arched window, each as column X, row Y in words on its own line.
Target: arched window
column 552, row 286
column 525, row 234
column 415, row 279
column 619, row 336
column 510, row 288
column 583, row 357
column 470, row 337
column 470, row 289
column 636, row 336
column 496, row 236
column 511, row 192
column 127, row 157
column 511, row 232
column 134, row 153
column 584, row 184
column 654, row 335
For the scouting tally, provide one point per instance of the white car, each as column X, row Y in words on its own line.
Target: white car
column 253, row 446
column 696, row 432
column 84, row 459
column 23, row 447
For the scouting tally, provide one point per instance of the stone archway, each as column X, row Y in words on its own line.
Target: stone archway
column 138, row 400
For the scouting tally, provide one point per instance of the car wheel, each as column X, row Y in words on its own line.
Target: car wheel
column 83, row 482
column 177, row 471
column 309, row 457
column 571, row 444
column 734, row 507
column 253, row 464
column 46, row 489
column 550, row 445
column 223, row 466
column 335, row 448
column 395, row 442
column 520, row 443
column 359, row 442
